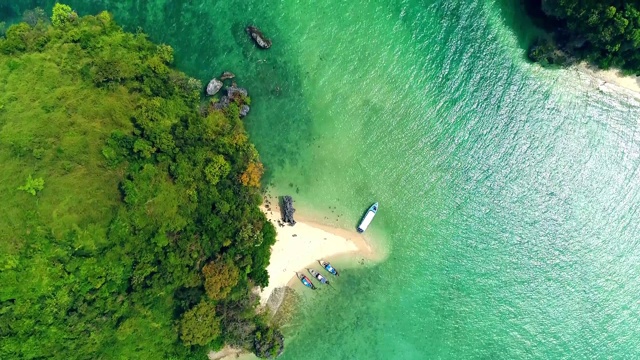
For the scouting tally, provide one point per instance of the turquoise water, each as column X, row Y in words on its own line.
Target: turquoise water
column 509, row 194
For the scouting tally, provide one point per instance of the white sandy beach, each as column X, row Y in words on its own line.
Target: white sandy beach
column 300, row 246
column 612, row 77
column 296, row 248
column 227, row 353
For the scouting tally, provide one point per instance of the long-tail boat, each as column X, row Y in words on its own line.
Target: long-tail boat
column 306, row 282
column 329, row 268
column 318, row 276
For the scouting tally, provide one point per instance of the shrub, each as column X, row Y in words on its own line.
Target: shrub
column 33, row 185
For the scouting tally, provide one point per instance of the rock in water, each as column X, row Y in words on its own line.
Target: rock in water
column 234, row 91
column 223, row 103
column 214, row 86
column 288, row 210
column 244, row 110
column 259, row 37
column 227, row 75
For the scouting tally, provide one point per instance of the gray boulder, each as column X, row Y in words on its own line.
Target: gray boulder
column 262, row 41
column 244, row 110
column 223, row 103
column 214, row 86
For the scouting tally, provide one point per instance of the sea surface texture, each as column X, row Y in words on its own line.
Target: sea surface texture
column 509, row 194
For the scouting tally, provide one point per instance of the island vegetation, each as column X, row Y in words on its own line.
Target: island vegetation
column 605, row 33
column 131, row 226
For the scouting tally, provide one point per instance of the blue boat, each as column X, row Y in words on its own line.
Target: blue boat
column 367, row 218
column 329, row 268
column 305, row 281
column 318, row 276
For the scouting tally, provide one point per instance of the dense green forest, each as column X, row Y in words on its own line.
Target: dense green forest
column 603, row 32
column 130, row 224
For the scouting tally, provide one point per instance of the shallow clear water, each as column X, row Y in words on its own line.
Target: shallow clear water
column 509, row 194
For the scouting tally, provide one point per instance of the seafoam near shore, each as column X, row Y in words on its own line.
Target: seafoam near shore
column 612, row 78
column 300, row 246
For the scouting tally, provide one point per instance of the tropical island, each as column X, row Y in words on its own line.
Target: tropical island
column 131, row 225
column 605, row 33
column 136, row 224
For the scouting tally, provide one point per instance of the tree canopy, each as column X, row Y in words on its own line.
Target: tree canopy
column 220, row 277
column 199, row 325
column 131, row 228
column 603, row 32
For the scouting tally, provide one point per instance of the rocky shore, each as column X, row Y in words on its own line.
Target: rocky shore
column 234, row 94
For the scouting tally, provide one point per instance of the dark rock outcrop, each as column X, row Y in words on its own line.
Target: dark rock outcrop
column 288, row 210
column 214, row 86
column 262, row 41
column 547, row 52
column 237, row 95
column 234, row 92
column 227, row 75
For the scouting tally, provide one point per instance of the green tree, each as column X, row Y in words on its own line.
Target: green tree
column 603, row 32
column 220, row 277
column 199, row 325
column 216, row 169
column 144, row 148
column 62, row 14
column 268, row 343
column 35, row 16
column 165, row 52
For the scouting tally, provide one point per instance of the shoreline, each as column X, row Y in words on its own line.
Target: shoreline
column 302, row 245
column 612, row 77
column 226, row 353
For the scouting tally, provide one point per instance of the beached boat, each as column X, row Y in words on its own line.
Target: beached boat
column 368, row 217
column 306, row 282
column 329, row 268
column 318, row 276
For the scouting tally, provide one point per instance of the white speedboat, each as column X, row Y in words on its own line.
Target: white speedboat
column 368, row 217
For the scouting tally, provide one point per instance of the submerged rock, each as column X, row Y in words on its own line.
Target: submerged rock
column 262, row 41
column 244, row 110
column 227, row 75
column 214, row 86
